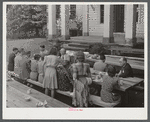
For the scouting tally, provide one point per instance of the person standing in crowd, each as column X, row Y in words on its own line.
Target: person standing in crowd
column 64, row 77
column 17, row 60
column 43, row 51
column 11, row 59
column 25, row 64
column 100, row 65
column 40, row 69
column 34, row 67
column 126, row 69
column 50, row 74
column 81, row 71
column 108, row 85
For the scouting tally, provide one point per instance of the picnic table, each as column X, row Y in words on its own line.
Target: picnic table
column 127, row 83
column 17, row 94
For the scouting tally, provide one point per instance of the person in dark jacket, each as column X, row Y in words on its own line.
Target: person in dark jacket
column 11, row 59
column 126, row 70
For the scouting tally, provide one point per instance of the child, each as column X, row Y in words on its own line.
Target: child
column 40, row 69
column 34, row 67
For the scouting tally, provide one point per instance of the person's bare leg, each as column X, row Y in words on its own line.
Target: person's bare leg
column 52, row 93
column 46, row 91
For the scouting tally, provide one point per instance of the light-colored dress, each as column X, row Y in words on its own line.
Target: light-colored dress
column 34, row 70
column 81, row 89
column 17, row 65
column 40, row 71
column 50, row 75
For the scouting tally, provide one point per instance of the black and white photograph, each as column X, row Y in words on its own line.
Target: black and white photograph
column 75, row 60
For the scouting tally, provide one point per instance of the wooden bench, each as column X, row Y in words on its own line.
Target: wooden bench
column 17, row 92
column 97, row 101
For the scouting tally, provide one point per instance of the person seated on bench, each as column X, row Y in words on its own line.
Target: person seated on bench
column 25, row 64
column 64, row 77
column 34, row 67
column 100, row 65
column 126, row 69
column 17, row 61
column 11, row 59
column 40, row 69
column 108, row 85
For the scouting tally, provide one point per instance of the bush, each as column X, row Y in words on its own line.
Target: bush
column 97, row 48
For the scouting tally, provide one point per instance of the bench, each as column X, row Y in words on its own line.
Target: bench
column 97, row 101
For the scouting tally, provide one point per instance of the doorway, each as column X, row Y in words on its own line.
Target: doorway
column 118, row 18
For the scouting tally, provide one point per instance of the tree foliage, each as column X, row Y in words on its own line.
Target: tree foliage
column 25, row 19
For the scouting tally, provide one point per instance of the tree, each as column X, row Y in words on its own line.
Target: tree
column 25, row 18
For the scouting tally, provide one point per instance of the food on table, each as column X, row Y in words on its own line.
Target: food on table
column 29, row 91
column 28, row 99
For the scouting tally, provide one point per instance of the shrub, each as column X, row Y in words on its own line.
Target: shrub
column 97, row 48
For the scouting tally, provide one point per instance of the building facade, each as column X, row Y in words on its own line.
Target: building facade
column 108, row 21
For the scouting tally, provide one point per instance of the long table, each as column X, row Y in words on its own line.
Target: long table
column 17, row 92
column 127, row 83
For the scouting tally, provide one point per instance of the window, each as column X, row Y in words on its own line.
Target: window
column 57, row 12
column 137, row 14
column 72, row 11
column 101, row 14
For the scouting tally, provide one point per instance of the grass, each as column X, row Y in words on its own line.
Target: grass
column 28, row 44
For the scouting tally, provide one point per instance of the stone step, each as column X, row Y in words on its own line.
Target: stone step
column 79, row 45
column 73, row 48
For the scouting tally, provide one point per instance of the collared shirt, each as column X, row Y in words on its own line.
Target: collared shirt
column 65, row 57
column 99, row 66
column 126, row 71
column 43, row 52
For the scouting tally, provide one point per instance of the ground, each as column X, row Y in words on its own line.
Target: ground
column 29, row 44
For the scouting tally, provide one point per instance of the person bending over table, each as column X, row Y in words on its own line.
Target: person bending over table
column 108, row 85
column 100, row 65
column 126, row 69
column 17, row 61
column 25, row 64
column 11, row 59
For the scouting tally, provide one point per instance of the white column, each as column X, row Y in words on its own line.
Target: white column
column 51, row 25
column 65, row 21
column 85, row 21
column 108, row 24
column 130, row 26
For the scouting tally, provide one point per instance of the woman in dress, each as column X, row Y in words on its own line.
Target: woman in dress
column 34, row 67
column 50, row 74
column 63, row 73
column 40, row 69
column 108, row 85
column 81, row 71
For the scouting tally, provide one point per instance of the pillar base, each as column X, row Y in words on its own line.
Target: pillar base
column 65, row 37
column 131, row 42
column 108, row 40
column 85, row 33
column 50, row 37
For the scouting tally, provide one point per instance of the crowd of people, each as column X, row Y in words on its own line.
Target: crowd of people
column 54, row 69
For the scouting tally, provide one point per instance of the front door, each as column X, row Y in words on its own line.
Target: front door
column 118, row 18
